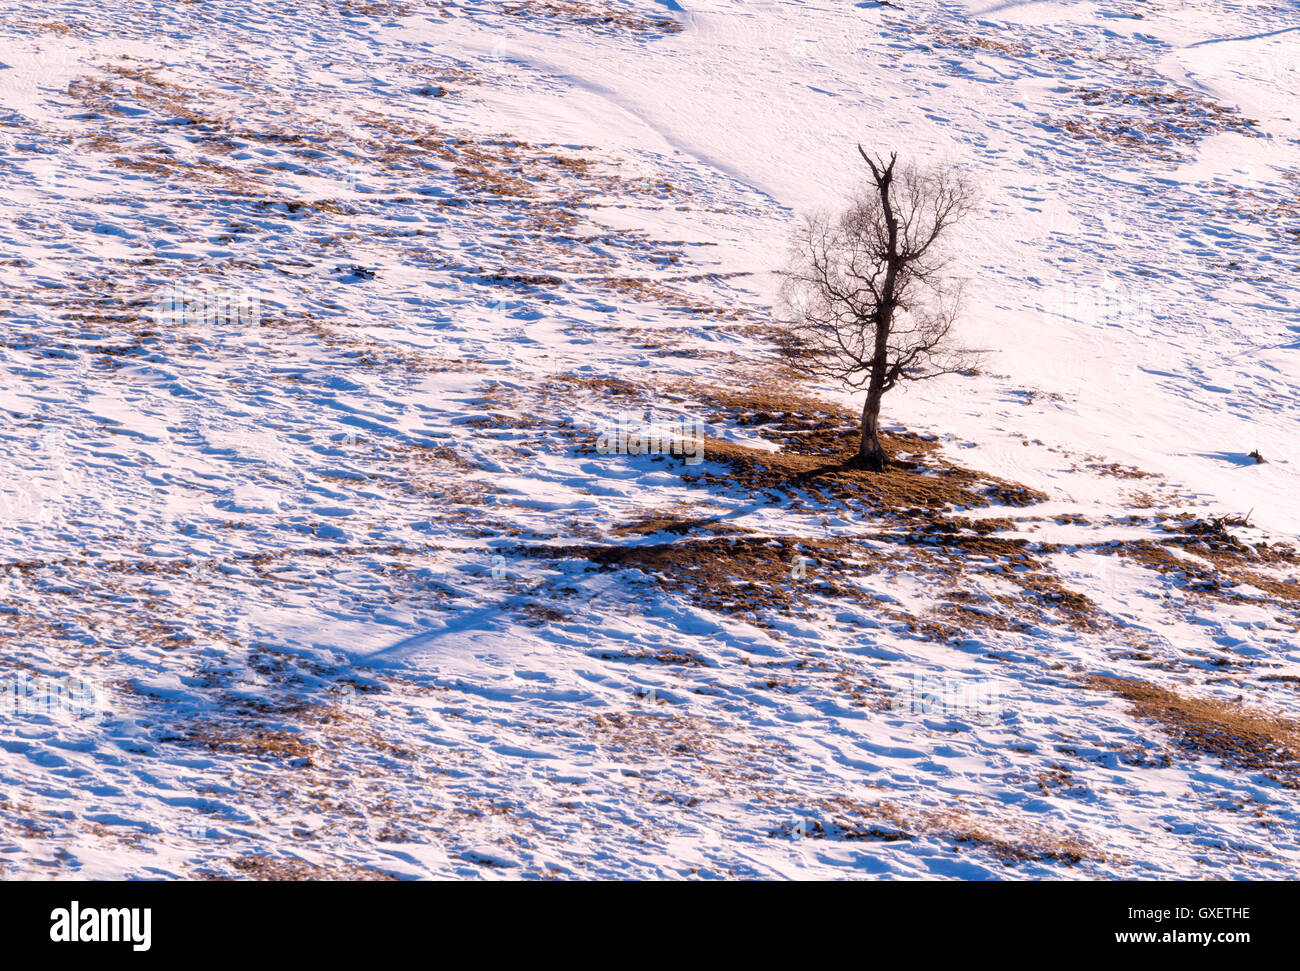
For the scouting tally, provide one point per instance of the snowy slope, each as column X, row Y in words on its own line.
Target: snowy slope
column 312, row 319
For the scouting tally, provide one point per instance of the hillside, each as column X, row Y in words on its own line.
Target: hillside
column 325, row 329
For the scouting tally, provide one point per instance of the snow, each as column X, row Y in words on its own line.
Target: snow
column 296, row 552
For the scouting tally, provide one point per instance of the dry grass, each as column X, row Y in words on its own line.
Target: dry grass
column 262, row 742
column 1208, row 560
column 734, row 575
column 375, row 8
column 1116, row 471
column 252, row 867
column 1251, row 739
column 661, row 291
column 1155, row 122
column 656, row 733
column 817, row 441
column 602, row 18
column 725, row 567
column 1008, row 840
column 49, row 27
column 758, row 577
column 910, row 487
column 974, row 42
column 1274, row 207
column 1023, row 47
column 679, row 521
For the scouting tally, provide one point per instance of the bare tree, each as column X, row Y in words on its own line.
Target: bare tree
column 865, row 292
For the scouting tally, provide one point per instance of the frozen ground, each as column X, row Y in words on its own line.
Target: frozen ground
column 313, row 316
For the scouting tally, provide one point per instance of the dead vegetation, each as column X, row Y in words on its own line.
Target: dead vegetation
column 815, row 442
column 1026, row 45
column 962, row 41
column 737, row 575
column 1116, row 471
column 761, row 577
column 536, row 196
column 679, row 521
column 1205, row 558
column 995, row 583
column 252, row 867
column 1250, row 739
column 917, row 486
column 599, row 17
column 662, row 291
column 377, row 8
column 1007, row 839
column 258, row 741
column 1156, row 122
column 657, row 735
column 1274, row 205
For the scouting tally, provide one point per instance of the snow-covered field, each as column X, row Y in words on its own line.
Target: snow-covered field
column 320, row 557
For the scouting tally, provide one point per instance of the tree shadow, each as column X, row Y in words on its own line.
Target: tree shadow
column 1225, row 40
column 854, row 465
column 1240, row 459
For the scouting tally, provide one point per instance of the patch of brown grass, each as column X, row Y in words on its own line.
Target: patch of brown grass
column 907, row 487
column 1008, row 840
column 258, row 741
column 1117, row 471
column 252, row 867
column 375, row 8
column 678, row 522
column 600, row 17
column 750, row 575
column 1254, row 740
column 1211, row 561
column 672, row 298
column 974, row 42
column 736, row 575
column 1153, row 121
column 817, row 441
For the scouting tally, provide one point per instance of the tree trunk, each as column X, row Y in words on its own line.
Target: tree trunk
column 871, row 455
